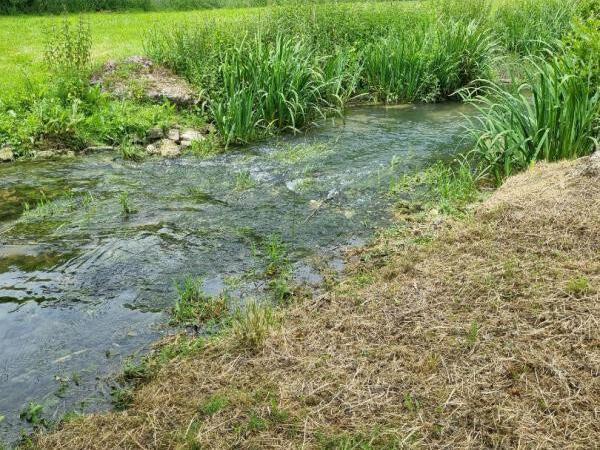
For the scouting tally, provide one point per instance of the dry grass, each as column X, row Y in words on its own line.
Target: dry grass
column 476, row 339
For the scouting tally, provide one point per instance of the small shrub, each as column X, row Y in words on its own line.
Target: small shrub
column 68, row 49
column 584, row 45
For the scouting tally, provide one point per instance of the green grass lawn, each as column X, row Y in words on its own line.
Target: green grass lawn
column 115, row 35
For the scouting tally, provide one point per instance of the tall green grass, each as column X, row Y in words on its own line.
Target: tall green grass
column 528, row 26
column 554, row 116
column 71, row 6
column 280, row 85
column 428, row 65
column 297, row 63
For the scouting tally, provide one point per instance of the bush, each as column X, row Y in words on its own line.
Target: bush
column 584, row 45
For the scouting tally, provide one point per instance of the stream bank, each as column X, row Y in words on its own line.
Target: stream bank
column 83, row 286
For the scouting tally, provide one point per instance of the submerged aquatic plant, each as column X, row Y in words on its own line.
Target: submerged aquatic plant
column 554, row 116
column 126, row 207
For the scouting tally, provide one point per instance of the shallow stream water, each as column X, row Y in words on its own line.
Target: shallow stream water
column 84, row 286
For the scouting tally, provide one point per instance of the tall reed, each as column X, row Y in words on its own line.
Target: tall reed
column 554, row 116
column 528, row 26
column 272, row 86
column 428, row 64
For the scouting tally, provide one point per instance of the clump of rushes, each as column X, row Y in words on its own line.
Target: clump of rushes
column 194, row 307
column 253, row 324
column 244, row 181
column 528, row 26
column 126, row 207
column 430, row 64
column 552, row 117
column 269, row 86
column 131, row 152
column 277, row 256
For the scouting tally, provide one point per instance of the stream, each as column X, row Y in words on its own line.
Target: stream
column 84, row 287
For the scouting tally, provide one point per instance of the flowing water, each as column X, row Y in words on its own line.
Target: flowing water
column 84, row 286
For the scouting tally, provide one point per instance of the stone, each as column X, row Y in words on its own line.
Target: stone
column 44, row 154
column 186, row 144
column 6, row 154
column 173, row 134
column 98, row 148
column 152, row 149
column 157, row 83
column 168, row 148
column 189, row 134
column 154, row 134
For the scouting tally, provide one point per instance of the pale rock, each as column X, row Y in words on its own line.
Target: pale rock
column 152, row 149
column 6, row 154
column 98, row 148
column 190, row 134
column 168, row 148
column 44, row 154
column 173, row 134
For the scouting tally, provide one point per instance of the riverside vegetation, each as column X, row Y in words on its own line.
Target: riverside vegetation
column 299, row 377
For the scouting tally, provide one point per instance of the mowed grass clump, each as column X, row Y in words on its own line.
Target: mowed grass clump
column 467, row 341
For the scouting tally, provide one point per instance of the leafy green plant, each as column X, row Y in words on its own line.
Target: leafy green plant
column 131, row 152
column 193, row 307
column 579, row 286
column 126, row 207
column 33, row 415
column 583, row 43
column 448, row 188
column 214, row 404
column 428, row 64
column 530, row 26
column 244, row 181
column 121, row 398
column 276, row 255
column 68, row 49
